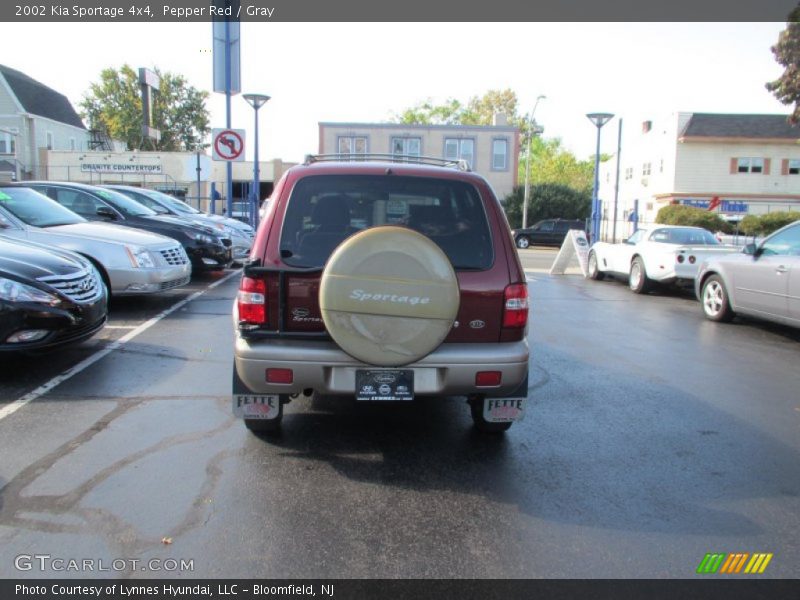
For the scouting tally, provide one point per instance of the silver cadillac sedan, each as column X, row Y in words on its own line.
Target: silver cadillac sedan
column 130, row 261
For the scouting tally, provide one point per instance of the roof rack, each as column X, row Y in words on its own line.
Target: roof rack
column 460, row 164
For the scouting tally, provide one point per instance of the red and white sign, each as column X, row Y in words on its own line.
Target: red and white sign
column 227, row 144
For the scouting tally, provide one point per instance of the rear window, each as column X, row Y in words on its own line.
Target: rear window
column 325, row 209
column 680, row 236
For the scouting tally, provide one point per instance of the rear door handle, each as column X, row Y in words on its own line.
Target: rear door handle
column 781, row 269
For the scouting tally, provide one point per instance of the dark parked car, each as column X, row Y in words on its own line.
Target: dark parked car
column 241, row 234
column 206, row 248
column 550, row 232
column 383, row 281
column 47, row 297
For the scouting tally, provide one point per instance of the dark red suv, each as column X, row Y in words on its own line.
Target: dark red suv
column 384, row 281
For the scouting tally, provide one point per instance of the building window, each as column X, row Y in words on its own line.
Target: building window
column 350, row 145
column 500, row 155
column 460, row 148
column 646, row 168
column 794, row 167
column 750, row 165
column 72, row 144
column 629, row 173
column 49, row 137
column 661, row 166
column 406, row 146
column 8, row 141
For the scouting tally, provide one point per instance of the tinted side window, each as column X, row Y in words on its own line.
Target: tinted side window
column 547, row 226
column 78, row 202
column 786, row 242
column 323, row 210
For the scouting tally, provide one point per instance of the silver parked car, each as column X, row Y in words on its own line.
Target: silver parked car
column 130, row 261
column 762, row 281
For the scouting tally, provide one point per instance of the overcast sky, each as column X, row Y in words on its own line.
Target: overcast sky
column 365, row 72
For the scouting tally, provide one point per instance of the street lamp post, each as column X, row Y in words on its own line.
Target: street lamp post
column 599, row 119
column 256, row 101
column 531, row 133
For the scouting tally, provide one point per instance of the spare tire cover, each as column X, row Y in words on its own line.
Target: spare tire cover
column 388, row 296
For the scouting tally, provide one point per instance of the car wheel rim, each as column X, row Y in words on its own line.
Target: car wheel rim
column 713, row 299
column 523, row 242
column 636, row 275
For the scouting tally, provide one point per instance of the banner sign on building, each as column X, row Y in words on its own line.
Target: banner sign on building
column 126, row 168
column 726, row 206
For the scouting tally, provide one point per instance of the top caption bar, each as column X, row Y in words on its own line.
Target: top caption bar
column 106, row 11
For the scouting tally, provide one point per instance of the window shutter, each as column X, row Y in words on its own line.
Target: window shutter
column 766, row 166
column 785, row 166
column 734, row 166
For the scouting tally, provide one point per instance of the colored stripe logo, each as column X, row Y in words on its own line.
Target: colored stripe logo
column 734, row 563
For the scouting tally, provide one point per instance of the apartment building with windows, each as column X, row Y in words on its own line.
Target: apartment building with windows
column 34, row 118
column 750, row 162
column 490, row 150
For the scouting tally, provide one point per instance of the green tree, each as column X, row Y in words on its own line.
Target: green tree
column 480, row 110
column 547, row 201
column 766, row 224
column 552, row 163
column 679, row 214
column 114, row 105
column 787, row 52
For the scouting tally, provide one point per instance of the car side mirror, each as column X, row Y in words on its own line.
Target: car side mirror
column 106, row 213
column 749, row 249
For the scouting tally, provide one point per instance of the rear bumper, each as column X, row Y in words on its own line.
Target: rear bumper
column 449, row 370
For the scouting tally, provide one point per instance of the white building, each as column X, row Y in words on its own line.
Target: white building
column 490, row 150
column 750, row 162
column 34, row 117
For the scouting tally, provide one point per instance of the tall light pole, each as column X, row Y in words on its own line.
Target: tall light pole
column 256, row 101
column 599, row 119
column 531, row 133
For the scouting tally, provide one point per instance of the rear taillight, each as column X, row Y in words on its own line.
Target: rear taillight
column 515, row 311
column 251, row 301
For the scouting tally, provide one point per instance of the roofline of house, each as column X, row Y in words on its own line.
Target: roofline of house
column 507, row 128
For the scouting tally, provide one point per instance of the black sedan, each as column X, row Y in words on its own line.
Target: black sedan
column 207, row 250
column 48, row 297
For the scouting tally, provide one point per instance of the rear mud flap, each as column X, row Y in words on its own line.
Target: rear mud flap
column 250, row 405
column 508, row 409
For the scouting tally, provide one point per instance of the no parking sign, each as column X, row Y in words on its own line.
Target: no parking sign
column 227, row 144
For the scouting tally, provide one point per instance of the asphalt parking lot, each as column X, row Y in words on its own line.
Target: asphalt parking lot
column 652, row 438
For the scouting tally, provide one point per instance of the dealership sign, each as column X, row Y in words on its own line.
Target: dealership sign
column 726, row 206
column 120, row 168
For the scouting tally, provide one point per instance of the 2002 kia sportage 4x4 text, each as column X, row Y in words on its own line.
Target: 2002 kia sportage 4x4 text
column 383, row 281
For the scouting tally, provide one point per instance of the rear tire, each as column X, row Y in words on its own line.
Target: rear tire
column 523, row 242
column 638, row 280
column 266, row 426
column 714, row 300
column 481, row 424
column 594, row 271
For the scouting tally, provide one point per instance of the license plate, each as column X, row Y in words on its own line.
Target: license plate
column 503, row 410
column 256, row 406
column 384, row 385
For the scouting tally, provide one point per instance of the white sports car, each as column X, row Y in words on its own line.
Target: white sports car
column 657, row 254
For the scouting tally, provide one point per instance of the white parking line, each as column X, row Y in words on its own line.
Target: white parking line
column 59, row 379
column 120, row 327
